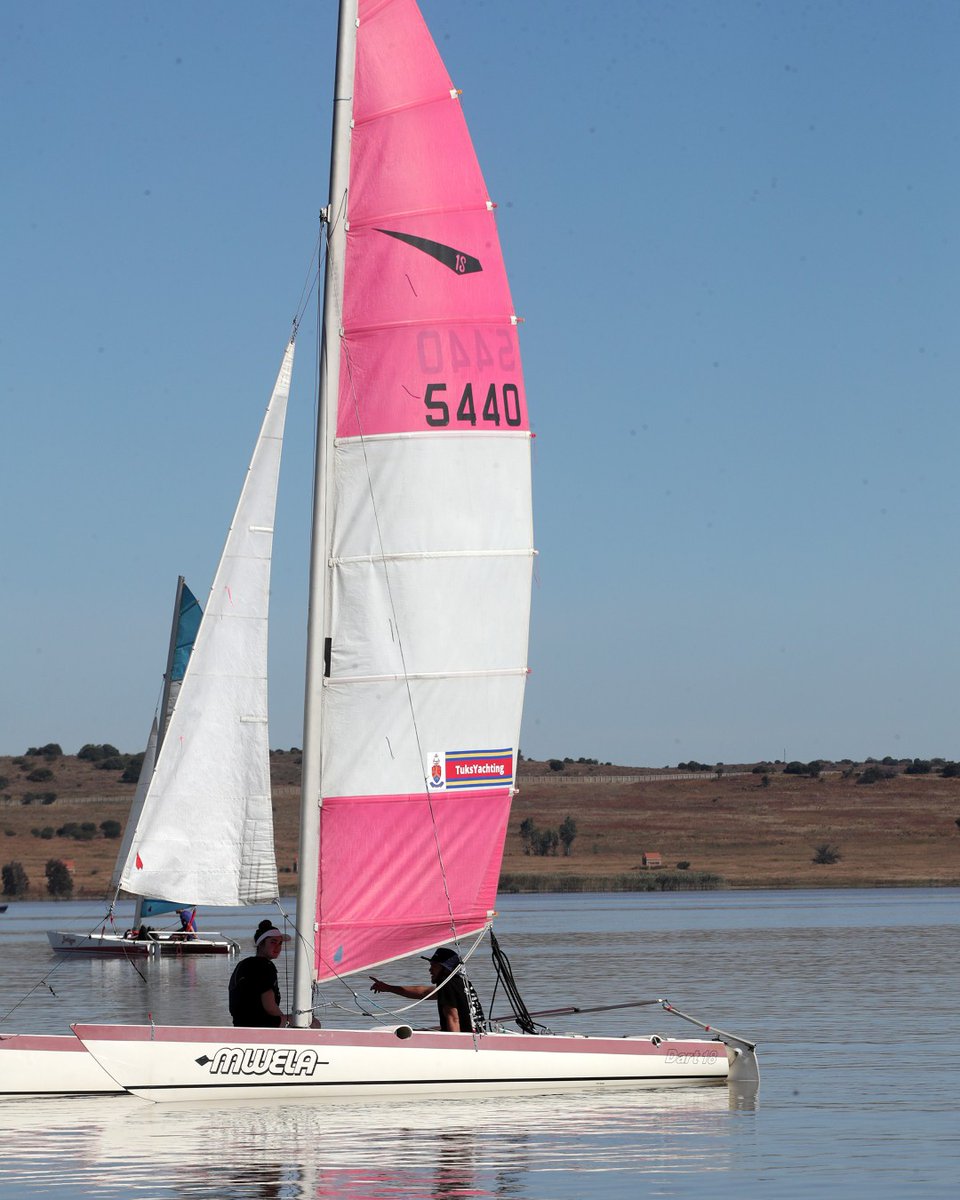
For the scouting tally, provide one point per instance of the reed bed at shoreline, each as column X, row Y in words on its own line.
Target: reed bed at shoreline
column 646, row 881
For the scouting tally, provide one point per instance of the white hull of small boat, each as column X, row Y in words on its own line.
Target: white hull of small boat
column 49, row 1065
column 157, row 943
column 170, row 1063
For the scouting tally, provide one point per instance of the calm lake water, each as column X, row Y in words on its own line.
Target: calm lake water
column 852, row 996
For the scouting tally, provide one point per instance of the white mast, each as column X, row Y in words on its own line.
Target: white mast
column 317, row 617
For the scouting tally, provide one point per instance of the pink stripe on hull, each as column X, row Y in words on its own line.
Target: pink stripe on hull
column 64, row 1042
column 498, row 1043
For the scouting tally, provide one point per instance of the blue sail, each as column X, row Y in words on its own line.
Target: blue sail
column 188, row 622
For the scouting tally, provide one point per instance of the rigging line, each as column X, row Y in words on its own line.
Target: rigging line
column 376, row 1016
column 303, row 941
column 312, row 277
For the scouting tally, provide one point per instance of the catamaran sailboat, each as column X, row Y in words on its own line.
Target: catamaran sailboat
column 185, row 939
column 420, row 582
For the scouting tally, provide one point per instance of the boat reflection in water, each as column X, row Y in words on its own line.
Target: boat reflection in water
column 381, row 1148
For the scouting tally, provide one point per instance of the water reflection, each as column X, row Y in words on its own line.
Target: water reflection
column 384, row 1148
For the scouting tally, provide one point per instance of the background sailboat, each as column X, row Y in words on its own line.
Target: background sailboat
column 417, row 635
column 202, row 820
column 138, row 939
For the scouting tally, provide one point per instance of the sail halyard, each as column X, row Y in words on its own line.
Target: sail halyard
column 422, row 573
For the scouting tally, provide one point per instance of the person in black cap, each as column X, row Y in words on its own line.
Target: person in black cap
column 452, row 1003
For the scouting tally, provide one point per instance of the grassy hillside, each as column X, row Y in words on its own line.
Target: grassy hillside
column 901, row 830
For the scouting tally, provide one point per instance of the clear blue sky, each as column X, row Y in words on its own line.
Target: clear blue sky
column 731, row 228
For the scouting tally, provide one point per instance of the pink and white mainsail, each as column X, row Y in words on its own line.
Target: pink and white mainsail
column 428, row 544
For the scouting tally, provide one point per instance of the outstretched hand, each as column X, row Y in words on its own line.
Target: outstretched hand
column 378, row 985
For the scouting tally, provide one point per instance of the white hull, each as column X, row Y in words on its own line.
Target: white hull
column 158, row 943
column 49, row 1065
column 168, row 1063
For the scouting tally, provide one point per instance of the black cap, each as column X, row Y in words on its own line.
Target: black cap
column 444, row 956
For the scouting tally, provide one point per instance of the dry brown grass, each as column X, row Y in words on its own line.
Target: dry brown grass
column 898, row 831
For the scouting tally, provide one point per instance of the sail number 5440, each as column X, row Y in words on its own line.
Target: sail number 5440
column 496, row 406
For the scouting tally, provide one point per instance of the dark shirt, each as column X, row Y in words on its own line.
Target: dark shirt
column 250, row 979
column 454, row 993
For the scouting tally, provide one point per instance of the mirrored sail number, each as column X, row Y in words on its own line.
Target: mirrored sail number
column 446, row 351
column 497, row 406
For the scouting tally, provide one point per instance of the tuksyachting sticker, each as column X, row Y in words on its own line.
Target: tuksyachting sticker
column 457, row 770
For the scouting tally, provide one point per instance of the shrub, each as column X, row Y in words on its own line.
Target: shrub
column 826, row 854
column 43, row 797
column 568, row 833
column 95, row 753
column 919, row 766
column 80, row 833
column 538, row 841
column 683, row 866
column 50, row 750
column 15, row 881
column 116, row 762
column 59, row 879
column 874, row 775
column 40, row 775
column 950, row 770
column 131, row 772
column 811, row 769
column 555, row 764
column 111, row 829
column 4, row 782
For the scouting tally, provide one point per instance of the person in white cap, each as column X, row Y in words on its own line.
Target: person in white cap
column 254, row 989
column 452, row 1003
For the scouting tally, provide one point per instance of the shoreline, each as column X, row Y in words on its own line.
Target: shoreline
column 739, row 831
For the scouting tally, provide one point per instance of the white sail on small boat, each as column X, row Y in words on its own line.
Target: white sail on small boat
column 169, row 843
column 417, row 633
column 185, row 939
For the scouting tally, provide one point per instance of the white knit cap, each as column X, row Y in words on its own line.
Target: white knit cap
column 272, row 933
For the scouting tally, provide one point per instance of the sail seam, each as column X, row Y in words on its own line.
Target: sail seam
column 437, row 435
column 428, row 323
column 421, row 555
column 442, row 98
column 358, row 224
column 499, row 673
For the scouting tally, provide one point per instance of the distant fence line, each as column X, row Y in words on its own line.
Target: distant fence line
column 63, row 801
column 293, row 789
column 559, row 777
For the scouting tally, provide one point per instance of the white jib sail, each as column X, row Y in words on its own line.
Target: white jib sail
column 136, row 808
column 206, row 830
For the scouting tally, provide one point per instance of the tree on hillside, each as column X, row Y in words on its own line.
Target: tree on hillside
column 59, row 879
column 568, row 832
column 15, row 881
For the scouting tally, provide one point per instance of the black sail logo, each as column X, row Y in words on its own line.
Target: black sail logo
column 457, row 260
